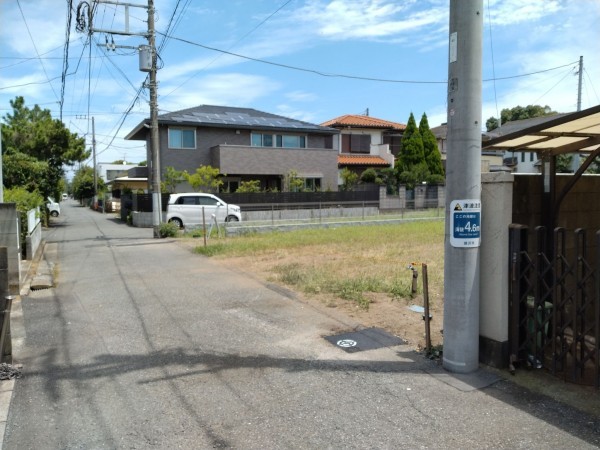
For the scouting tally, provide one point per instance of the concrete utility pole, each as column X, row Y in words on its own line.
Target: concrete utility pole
column 156, row 200
column 1, row 177
column 576, row 161
column 463, row 188
column 153, row 87
column 95, row 168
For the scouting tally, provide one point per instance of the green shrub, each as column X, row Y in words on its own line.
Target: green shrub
column 167, row 229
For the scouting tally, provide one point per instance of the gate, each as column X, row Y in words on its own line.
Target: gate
column 554, row 317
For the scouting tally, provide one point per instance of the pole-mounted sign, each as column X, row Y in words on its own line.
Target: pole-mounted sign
column 465, row 223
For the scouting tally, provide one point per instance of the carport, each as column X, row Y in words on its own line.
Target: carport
column 554, row 271
column 577, row 132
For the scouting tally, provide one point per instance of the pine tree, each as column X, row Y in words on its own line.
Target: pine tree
column 412, row 146
column 433, row 158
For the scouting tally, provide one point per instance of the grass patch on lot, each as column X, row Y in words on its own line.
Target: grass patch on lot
column 346, row 262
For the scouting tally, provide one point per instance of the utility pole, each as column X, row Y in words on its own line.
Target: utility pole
column 156, row 200
column 152, row 85
column 463, row 188
column 576, row 159
column 94, row 156
column 1, row 169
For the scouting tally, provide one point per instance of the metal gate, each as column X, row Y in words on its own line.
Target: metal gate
column 554, row 317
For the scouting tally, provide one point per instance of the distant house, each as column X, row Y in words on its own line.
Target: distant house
column 110, row 171
column 366, row 142
column 135, row 179
column 244, row 144
column 491, row 161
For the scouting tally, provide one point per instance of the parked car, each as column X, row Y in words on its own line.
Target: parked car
column 53, row 207
column 65, row 197
column 185, row 209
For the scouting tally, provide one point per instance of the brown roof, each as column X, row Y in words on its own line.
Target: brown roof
column 351, row 120
column 361, row 160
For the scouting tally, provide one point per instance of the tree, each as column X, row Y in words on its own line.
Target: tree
column 205, row 179
column 249, row 186
column 172, row 178
column 519, row 113
column 349, row 179
column 293, row 183
column 369, row 175
column 411, row 167
column 37, row 147
column 83, row 183
column 412, row 152
column 433, row 158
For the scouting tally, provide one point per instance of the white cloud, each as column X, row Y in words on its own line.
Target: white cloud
column 295, row 113
column 301, row 96
column 352, row 19
column 510, row 12
column 45, row 22
column 232, row 89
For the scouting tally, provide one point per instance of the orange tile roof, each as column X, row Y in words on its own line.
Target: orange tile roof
column 351, row 120
column 361, row 160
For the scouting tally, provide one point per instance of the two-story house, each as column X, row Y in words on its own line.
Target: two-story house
column 244, row 144
column 366, row 142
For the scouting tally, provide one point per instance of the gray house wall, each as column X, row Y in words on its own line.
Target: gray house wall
column 230, row 150
column 307, row 162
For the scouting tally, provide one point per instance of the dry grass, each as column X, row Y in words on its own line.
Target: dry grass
column 362, row 268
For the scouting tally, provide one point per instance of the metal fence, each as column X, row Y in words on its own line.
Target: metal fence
column 554, row 317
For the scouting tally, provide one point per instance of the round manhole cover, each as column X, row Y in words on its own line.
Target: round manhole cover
column 346, row 343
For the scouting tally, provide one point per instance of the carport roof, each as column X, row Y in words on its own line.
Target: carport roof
column 549, row 135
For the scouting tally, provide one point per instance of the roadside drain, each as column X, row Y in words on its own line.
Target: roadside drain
column 367, row 339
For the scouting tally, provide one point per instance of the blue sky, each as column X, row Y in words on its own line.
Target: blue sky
column 377, row 39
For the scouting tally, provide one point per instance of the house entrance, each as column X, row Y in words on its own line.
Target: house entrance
column 554, row 316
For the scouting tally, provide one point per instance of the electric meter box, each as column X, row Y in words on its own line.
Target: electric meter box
column 145, row 58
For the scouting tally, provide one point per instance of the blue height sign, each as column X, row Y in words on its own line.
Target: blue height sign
column 465, row 223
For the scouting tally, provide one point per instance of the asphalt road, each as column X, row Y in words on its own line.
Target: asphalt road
column 143, row 344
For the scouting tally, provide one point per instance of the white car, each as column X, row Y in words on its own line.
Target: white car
column 53, row 207
column 185, row 209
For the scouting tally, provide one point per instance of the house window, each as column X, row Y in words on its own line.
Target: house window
column 281, row 140
column 522, row 156
column 531, row 156
column 262, row 140
column 356, row 143
column 312, row 184
column 182, row 138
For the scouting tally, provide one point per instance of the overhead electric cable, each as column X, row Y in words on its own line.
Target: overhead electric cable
column 493, row 65
column 65, row 56
column 231, row 46
column 353, row 77
column 36, row 50
column 559, row 81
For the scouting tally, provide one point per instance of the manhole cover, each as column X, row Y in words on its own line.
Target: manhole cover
column 367, row 339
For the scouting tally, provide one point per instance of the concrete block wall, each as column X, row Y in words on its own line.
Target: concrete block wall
column 9, row 238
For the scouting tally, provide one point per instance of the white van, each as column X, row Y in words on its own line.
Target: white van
column 65, row 197
column 53, row 207
column 185, row 209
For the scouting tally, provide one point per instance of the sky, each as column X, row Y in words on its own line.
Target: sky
column 311, row 60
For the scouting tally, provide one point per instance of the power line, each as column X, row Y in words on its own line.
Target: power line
column 493, row 64
column 36, row 50
column 352, row 77
column 65, row 56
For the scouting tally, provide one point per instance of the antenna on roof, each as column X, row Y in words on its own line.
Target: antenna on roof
column 367, row 112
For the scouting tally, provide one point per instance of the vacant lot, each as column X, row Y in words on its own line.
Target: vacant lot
column 361, row 271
